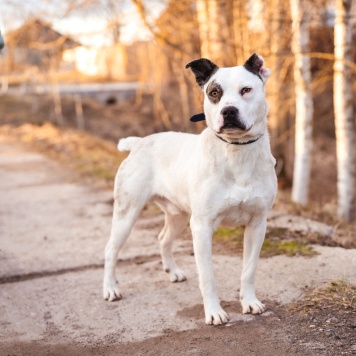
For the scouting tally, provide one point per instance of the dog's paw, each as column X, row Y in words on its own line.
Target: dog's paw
column 176, row 275
column 111, row 291
column 252, row 306
column 216, row 316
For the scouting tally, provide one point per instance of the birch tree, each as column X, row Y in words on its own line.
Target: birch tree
column 274, row 62
column 304, row 103
column 216, row 31
column 343, row 111
column 240, row 31
column 206, row 37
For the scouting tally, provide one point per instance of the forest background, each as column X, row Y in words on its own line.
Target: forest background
column 61, row 57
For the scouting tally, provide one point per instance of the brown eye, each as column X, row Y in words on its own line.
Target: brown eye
column 214, row 93
column 245, row 90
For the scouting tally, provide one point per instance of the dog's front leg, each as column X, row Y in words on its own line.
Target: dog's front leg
column 202, row 240
column 253, row 240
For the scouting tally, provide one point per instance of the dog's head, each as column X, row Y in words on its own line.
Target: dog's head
column 234, row 98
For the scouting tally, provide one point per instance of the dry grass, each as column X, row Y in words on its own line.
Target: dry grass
column 88, row 155
column 338, row 294
column 326, row 319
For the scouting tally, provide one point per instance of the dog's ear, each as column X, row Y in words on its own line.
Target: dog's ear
column 255, row 65
column 203, row 69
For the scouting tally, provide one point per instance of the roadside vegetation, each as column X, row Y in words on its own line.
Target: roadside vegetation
column 326, row 318
column 89, row 155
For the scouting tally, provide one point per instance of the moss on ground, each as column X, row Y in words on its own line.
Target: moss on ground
column 272, row 246
column 288, row 248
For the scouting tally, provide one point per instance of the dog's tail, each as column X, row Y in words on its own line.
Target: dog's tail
column 126, row 144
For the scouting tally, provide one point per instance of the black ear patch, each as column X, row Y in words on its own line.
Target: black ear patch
column 203, row 69
column 254, row 65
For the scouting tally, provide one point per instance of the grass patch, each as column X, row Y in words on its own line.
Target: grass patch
column 339, row 294
column 231, row 235
column 277, row 232
column 232, row 240
column 289, row 248
column 326, row 316
column 229, row 239
column 87, row 154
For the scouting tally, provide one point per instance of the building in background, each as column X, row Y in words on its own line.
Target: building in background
column 35, row 43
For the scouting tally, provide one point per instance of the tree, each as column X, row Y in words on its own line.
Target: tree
column 216, row 30
column 2, row 44
column 304, row 102
column 343, row 111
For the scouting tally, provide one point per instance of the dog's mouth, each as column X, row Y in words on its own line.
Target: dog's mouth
column 230, row 127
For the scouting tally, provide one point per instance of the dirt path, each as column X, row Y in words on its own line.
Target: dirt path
column 53, row 230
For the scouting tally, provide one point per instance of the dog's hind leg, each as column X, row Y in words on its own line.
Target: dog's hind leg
column 174, row 225
column 127, row 207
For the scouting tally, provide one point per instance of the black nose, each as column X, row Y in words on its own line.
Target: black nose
column 231, row 118
column 229, row 113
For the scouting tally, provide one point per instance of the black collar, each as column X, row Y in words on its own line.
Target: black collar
column 201, row 117
column 239, row 143
column 198, row 117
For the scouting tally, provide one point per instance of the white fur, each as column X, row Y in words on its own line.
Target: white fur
column 252, row 106
column 206, row 179
column 126, row 144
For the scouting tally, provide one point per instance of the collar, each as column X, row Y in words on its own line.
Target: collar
column 198, row 117
column 239, row 143
column 201, row 117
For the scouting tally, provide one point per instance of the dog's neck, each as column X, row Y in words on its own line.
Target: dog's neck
column 239, row 160
column 240, row 142
column 249, row 140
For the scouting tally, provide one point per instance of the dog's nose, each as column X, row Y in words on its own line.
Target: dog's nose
column 231, row 118
column 229, row 113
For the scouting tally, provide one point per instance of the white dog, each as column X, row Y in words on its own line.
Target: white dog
column 225, row 175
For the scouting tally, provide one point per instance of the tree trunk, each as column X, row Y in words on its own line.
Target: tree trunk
column 240, row 31
column 2, row 43
column 343, row 111
column 215, row 30
column 304, row 103
column 203, row 20
column 274, row 63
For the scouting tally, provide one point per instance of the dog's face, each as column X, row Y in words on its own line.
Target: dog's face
column 234, row 98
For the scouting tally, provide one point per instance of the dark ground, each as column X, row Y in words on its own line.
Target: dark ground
column 315, row 330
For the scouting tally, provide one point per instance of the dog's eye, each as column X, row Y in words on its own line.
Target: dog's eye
column 245, row 90
column 214, row 93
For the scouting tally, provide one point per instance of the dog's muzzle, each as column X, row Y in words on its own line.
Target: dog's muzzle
column 231, row 118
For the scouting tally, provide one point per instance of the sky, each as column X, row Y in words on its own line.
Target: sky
column 86, row 25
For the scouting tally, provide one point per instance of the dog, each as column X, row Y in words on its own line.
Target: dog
column 225, row 175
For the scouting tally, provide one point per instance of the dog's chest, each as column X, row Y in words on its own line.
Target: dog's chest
column 240, row 204
column 246, row 193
